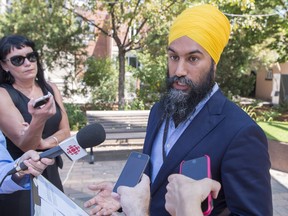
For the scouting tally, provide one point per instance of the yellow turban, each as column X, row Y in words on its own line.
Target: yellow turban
column 204, row 24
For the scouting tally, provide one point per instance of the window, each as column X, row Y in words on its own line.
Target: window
column 269, row 74
column 133, row 61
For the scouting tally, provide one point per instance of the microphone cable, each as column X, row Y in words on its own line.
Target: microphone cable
column 3, row 179
column 11, row 171
column 67, row 176
column 68, row 173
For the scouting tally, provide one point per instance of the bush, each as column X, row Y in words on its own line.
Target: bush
column 77, row 118
column 136, row 104
column 282, row 107
column 100, row 80
column 251, row 111
column 260, row 113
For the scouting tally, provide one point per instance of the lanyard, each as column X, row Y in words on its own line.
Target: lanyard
column 165, row 134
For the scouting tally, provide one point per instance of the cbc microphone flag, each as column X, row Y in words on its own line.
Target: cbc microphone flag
column 72, row 149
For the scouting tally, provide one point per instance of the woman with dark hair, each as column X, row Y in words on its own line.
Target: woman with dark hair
column 25, row 127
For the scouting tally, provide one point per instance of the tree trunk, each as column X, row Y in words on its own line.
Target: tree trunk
column 121, row 79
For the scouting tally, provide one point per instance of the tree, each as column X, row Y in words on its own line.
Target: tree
column 57, row 32
column 129, row 23
column 255, row 24
column 277, row 27
column 152, row 75
column 100, row 78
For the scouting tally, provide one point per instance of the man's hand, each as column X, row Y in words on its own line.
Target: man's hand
column 185, row 195
column 35, row 166
column 135, row 200
column 104, row 203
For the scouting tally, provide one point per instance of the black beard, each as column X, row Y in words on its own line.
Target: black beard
column 179, row 104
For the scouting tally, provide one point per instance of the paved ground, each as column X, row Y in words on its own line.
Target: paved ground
column 108, row 165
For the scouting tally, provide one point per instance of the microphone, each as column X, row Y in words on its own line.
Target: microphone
column 87, row 137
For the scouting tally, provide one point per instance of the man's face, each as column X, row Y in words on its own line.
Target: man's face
column 186, row 58
column 190, row 77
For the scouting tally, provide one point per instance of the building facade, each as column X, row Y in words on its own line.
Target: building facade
column 272, row 83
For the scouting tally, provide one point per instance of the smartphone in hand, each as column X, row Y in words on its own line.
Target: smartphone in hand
column 197, row 169
column 42, row 100
column 133, row 169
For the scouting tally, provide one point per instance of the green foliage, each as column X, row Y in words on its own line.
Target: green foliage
column 258, row 113
column 250, row 110
column 267, row 116
column 77, row 118
column 235, row 78
column 234, row 68
column 136, row 104
column 282, row 107
column 100, row 80
column 156, row 40
column 152, row 74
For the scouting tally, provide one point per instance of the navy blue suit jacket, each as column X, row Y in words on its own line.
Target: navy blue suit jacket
column 239, row 158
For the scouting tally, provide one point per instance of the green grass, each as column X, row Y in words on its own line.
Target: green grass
column 275, row 130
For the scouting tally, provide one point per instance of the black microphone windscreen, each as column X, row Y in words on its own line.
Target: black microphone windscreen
column 91, row 135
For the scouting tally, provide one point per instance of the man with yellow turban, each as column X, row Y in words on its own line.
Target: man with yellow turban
column 194, row 118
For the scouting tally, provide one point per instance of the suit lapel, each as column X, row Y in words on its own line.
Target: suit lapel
column 207, row 119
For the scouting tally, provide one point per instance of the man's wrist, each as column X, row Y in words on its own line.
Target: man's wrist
column 194, row 209
column 138, row 212
column 16, row 177
column 20, row 179
column 141, row 212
